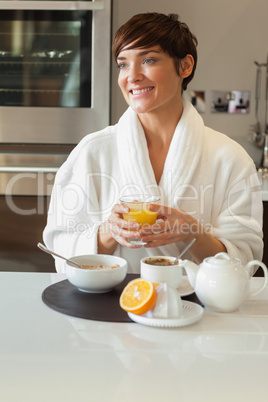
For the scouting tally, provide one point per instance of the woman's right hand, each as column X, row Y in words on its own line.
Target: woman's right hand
column 117, row 230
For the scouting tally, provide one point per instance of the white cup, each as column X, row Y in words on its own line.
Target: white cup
column 169, row 274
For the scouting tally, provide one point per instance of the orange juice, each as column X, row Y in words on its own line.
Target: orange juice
column 139, row 212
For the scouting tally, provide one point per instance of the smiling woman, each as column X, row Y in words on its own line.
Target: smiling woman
column 206, row 182
column 149, row 81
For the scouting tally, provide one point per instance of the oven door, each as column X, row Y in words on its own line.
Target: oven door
column 54, row 70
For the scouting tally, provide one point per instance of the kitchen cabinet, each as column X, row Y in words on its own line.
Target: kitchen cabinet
column 23, row 219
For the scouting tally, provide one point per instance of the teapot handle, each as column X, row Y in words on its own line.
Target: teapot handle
column 264, row 268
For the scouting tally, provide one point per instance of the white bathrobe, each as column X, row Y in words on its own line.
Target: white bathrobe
column 206, row 174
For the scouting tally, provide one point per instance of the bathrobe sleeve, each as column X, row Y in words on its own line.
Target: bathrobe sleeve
column 237, row 210
column 75, row 212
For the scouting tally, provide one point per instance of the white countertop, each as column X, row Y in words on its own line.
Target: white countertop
column 48, row 356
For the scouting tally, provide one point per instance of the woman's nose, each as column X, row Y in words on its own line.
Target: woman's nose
column 134, row 74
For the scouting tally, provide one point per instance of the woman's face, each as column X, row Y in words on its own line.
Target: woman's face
column 148, row 79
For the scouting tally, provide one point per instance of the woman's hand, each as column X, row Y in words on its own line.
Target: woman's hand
column 121, row 229
column 176, row 225
column 117, row 230
column 173, row 225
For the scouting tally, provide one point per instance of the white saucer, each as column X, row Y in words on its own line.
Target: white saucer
column 192, row 312
column 185, row 289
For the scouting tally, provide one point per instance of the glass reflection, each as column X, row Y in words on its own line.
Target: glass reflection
column 45, row 58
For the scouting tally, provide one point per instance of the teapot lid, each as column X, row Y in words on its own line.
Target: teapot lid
column 221, row 259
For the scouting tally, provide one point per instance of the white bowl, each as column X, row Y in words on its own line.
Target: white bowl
column 93, row 280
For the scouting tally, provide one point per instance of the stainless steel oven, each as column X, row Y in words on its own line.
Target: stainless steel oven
column 54, row 89
column 54, row 70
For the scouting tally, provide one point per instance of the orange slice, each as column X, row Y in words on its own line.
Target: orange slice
column 138, row 297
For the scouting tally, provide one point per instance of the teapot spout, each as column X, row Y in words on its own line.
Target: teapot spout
column 191, row 269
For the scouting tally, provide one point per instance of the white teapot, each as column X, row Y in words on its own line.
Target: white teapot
column 221, row 282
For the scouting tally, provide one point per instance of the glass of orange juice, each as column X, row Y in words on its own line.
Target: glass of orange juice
column 139, row 212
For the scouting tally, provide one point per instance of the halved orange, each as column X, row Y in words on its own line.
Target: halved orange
column 138, row 297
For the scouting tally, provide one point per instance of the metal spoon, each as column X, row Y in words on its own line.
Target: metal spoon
column 184, row 251
column 46, row 250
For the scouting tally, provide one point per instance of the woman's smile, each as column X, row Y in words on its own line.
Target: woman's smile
column 139, row 91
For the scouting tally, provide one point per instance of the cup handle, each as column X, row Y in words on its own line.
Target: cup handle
column 264, row 268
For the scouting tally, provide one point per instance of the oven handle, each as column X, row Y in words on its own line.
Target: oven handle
column 31, row 169
column 51, row 5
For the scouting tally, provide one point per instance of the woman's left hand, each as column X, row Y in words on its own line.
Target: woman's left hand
column 175, row 225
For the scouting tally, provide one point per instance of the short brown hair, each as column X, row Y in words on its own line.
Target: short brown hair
column 151, row 29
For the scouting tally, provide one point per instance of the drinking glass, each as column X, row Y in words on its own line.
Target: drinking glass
column 139, row 212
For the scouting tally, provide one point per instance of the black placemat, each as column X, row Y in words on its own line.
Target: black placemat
column 67, row 299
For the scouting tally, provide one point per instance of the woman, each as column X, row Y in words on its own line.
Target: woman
column 207, row 183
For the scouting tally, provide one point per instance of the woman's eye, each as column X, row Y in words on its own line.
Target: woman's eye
column 149, row 61
column 121, row 66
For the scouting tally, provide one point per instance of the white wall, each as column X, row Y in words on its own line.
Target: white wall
column 231, row 34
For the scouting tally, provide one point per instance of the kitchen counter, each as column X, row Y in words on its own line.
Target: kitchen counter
column 49, row 356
